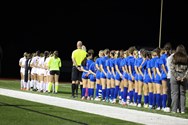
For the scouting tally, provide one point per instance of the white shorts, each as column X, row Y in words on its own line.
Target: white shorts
column 22, row 70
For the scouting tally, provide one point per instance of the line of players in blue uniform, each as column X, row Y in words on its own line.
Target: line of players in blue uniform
column 127, row 77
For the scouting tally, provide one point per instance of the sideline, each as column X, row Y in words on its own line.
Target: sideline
column 98, row 109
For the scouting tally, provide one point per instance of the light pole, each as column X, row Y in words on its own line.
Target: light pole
column 161, row 16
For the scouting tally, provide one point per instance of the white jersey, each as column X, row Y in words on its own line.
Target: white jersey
column 41, row 69
column 22, row 65
column 46, row 65
column 34, row 63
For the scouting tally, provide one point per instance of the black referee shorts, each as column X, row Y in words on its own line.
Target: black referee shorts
column 76, row 74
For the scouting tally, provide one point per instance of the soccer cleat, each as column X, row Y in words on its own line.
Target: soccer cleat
column 150, row 107
column 145, row 105
column 88, row 98
column 83, row 98
column 139, row 105
column 114, row 101
column 178, row 110
column 158, row 108
column 97, row 99
column 107, row 100
column 134, row 104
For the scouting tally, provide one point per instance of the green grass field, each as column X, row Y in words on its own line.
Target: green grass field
column 21, row 112
column 10, row 107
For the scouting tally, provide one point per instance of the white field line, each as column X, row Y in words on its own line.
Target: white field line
column 98, row 109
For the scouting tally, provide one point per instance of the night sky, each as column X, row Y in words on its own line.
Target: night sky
column 112, row 24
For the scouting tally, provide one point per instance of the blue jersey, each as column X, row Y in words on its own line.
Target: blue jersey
column 86, row 67
column 124, row 64
column 98, row 72
column 93, row 69
column 118, row 64
column 147, row 78
column 152, row 65
column 137, row 63
column 143, row 68
column 158, row 65
column 112, row 65
column 103, row 63
column 162, row 61
column 131, row 61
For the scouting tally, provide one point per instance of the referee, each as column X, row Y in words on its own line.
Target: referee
column 78, row 56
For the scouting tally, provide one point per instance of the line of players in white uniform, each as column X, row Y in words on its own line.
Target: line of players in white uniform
column 34, row 71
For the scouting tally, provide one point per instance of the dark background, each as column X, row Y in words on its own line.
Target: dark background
column 99, row 24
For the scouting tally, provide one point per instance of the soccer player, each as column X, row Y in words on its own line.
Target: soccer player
column 85, row 74
column 98, row 90
column 34, row 65
column 119, row 75
column 125, row 78
column 103, row 68
column 22, row 70
column 131, row 72
column 92, row 78
column 54, row 66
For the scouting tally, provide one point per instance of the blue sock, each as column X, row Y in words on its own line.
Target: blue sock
column 107, row 93
column 100, row 89
column 150, row 98
column 97, row 91
column 146, row 99
column 139, row 98
column 116, row 92
column 131, row 95
column 89, row 92
column 103, row 93
column 122, row 95
column 158, row 96
column 92, row 92
column 164, row 100
column 135, row 97
column 83, row 92
column 119, row 92
column 125, row 94
column 161, row 100
column 154, row 99
column 112, row 93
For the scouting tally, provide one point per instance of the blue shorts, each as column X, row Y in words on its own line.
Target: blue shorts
column 98, row 75
column 92, row 78
column 163, row 76
column 84, row 75
column 129, row 78
column 112, row 76
column 157, row 79
column 147, row 79
column 117, row 77
column 140, row 78
column 103, row 75
column 109, row 75
column 136, row 77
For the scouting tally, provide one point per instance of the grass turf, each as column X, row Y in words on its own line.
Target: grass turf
column 21, row 112
column 65, row 92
